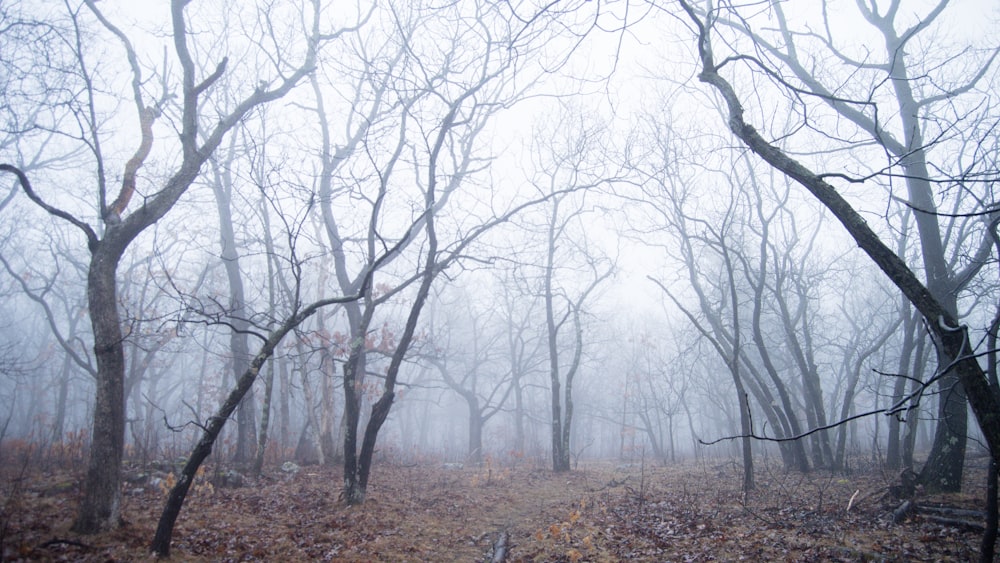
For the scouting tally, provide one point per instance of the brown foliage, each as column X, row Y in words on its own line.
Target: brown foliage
column 432, row 513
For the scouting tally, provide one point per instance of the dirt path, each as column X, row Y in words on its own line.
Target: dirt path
column 600, row 512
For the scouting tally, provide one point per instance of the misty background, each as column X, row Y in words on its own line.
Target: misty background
column 598, row 234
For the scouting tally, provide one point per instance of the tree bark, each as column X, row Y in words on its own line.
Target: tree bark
column 988, row 544
column 744, row 400
column 100, row 508
column 920, row 360
column 943, row 469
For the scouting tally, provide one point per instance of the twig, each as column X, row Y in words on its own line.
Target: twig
column 59, row 541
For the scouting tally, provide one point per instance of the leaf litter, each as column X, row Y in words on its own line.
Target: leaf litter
column 600, row 512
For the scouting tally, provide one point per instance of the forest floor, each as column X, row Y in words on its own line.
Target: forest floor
column 439, row 512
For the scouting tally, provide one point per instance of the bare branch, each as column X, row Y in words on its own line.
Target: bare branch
column 22, row 178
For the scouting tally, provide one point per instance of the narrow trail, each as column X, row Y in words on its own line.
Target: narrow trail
column 433, row 512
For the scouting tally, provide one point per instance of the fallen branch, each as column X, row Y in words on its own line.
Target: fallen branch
column 956, row 523
column 615, row 483
column 500, row 548
column 850, row 502
column 971, row 520
column 950, row 511
column 902, row 511
column 60, row 541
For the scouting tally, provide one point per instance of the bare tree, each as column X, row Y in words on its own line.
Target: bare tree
column 893, row 119
column 116, row 228
column 406, row 147
column 726, row 340
column 223, row 187
column 210, row 432
column 874, row 320
column 525, row 346
column 951, row 337
column 464, row 347
column 571, row 153
column 727, row 260
column 654, row 390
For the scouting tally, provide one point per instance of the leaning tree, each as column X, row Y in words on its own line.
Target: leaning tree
column 957, row 357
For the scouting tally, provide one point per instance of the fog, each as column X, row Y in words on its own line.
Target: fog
column 528, row 231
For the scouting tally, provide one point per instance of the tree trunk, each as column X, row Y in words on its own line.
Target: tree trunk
column 943, row 470
column 574, row 368
column 567, row 428
column 356, row 488
column 560, row 458
column 794, row 452
column 894, row 449
column 353, row 492
column 210, row 432
column 801, row 351
column 654, row 438
column 59, row 424
column 913, row 425
column 746, row 429
column 475, row 429
column 847, row 407
column 284, row 408
column 670, row 436
column 518, row 411
column 516, row 349
column 265, row 419
column 745, row 441
column 100, row 508
column 246, row 434
column 988, row 545
column 175, row 499
column 327, row 444
column 239, row 348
